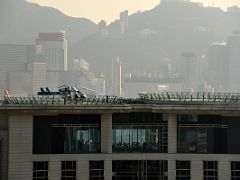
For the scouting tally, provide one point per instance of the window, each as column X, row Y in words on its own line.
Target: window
column 235, row 170
column 67, row 134
column 193, row 140
column 156, row 170
column 40, row 170
column 68, row 170
column 140, row 170
column 96, row 170
column 210, row 170
column 140, row 132
column 183, row 170
column 201, row 134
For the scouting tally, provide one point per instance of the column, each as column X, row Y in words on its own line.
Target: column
column 196, row 169
column 224, row 169
column 54, row 169
column 171, row 169
column 172, row 133
column 83, row 170
column 20, row 147
column 108, row 170
column 106, row 133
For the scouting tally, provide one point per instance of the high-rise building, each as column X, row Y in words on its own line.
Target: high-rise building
column 102, row 28
column 218, row 70
column 233, row 10
column 39, row 78
column 189, row 71
column 117, row 81
column 166, row 136
column 54, row 47
column 233, row 54
column 15, row 67
column 123, row 20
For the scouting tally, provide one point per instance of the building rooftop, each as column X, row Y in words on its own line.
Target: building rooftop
column 146, row 99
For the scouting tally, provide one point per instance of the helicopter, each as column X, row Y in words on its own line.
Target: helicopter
column 66, row 92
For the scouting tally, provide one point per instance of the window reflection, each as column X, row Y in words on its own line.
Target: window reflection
column 201, row 134
column 140, row 139
column 66, row 134
column 140, row 170
column 136, row 135
column 80, row 140
column 192, row 140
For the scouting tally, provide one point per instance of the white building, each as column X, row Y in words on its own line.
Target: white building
column 16, row 63
column 54, row 46
column 233, row 50
column 218, row 70
column 117, row 81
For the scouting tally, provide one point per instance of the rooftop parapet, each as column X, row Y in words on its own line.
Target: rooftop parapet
column 57, row 100
column 144, row 98
column 191, row 97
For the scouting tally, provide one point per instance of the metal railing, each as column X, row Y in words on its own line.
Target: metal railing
column 144, row 98
column 191, row 97
column 57, row 100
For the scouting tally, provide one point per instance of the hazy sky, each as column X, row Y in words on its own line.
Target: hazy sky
column 109, row 9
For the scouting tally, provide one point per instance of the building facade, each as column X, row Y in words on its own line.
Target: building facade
column 54, row 47
column 18, row 69
column 119, row 140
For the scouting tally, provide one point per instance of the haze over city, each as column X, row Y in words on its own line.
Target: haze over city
column 120, row 89
column 108, row 10
column 120, row 47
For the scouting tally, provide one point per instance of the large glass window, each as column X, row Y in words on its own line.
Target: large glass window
column 233, row 123
column 96, row 170
column 210, row 170
column 201, row 134
column 68, row 170
column 140, row 170
column 40, row 170
column 183, row 170
column 139, row 132
column 235, row 170
column 66, row 134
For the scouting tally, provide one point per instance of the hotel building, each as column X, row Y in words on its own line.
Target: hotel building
column 155, row 137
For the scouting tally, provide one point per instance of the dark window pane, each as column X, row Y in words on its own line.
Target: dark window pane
column 96, row 169
column 66, row 134
column 40, row 170
column 139, row 169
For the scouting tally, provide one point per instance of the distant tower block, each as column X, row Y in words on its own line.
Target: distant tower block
column 54, row 45
column 189, row 71
column 55, row 49
column 124, row 21
column 233, row 51
column 102, row 28
column 117, row 88
column 218, row 67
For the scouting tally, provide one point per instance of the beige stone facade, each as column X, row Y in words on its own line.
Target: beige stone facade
column 16, row 136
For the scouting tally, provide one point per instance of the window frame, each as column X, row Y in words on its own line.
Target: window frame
column 39, row 172
column 65, row 170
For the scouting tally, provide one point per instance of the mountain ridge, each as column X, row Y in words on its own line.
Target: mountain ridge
column 21, row 21
column 162, row 32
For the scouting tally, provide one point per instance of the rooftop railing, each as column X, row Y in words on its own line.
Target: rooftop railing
column 191, row 97
column 51, row 100
column 144, row 98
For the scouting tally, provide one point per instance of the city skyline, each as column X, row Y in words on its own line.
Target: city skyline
column 109, row 10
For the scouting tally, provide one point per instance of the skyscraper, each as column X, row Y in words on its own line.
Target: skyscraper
column 117, row 88
column 188, row 70
column 54, row 46
column 16, row 68
column 218, row 67
column 124, row 21
column 233, row 50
